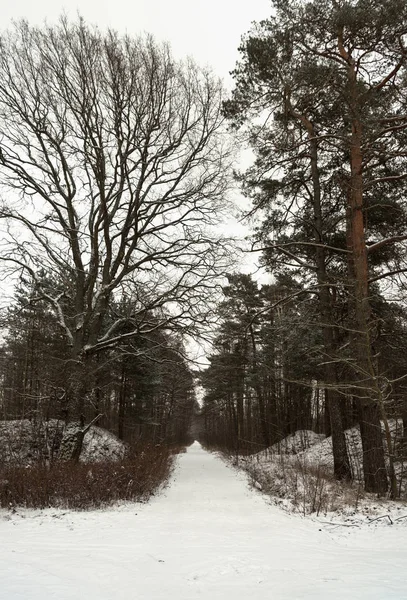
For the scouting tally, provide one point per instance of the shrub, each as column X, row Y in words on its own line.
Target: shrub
column 82, row 486
column 305, row 487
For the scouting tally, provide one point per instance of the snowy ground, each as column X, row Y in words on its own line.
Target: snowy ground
column 297, row 474
column 26, row 442
column 299, row 441
column 207, row 536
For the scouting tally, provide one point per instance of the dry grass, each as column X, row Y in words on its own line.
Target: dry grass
column 301, row 486
column 84, row 486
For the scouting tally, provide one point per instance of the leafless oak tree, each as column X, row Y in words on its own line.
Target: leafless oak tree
column 113, row 169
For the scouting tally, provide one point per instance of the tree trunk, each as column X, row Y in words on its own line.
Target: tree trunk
column 342, row 468
column 374, row 468
column 122, row 404
column 259, row 392
column 72, row 436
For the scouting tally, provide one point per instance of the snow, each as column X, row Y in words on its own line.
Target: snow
column 100, row 445
column 297, row 442
column 25, row 442
column 297, row 475
column 207, row 536
column 322, row 453
column 315, row 449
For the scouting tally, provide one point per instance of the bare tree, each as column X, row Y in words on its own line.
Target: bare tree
column 113, row 168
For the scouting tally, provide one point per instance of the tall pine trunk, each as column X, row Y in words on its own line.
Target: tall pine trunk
column 342, row 468
column 374, row 468
column 264, row 426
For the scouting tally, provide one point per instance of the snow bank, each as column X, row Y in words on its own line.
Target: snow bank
column 293, row 444
column 316, row 449
column 297, row 442
column 26, row 442
column 302, row 480
column 101, row 445
column 321, row 453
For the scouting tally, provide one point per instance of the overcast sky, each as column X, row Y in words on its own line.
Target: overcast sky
column 209, row 30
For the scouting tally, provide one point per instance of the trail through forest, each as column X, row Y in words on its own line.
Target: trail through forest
column 206, row 536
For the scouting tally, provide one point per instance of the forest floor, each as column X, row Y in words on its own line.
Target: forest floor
column 297, row 475
column 208, row 536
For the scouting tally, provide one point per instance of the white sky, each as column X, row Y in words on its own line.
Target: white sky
column 209, row 31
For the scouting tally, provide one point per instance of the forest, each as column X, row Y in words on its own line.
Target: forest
column 117, row 176
column 320, row 97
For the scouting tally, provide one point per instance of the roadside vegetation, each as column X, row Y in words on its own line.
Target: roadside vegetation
column 297, row 475
column 320, row 98
column 87, row 485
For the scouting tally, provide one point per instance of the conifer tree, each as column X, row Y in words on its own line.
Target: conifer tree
column 320, row 89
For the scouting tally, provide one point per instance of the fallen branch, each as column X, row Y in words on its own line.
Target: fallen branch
column 399, row 518
column 381, row 517
column 95, row 420
column 339, row 524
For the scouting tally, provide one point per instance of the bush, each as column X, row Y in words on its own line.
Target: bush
column 82, row 486
column 303, row 487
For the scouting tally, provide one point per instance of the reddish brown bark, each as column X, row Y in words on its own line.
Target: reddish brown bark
column 374, row 468
column 342, row 468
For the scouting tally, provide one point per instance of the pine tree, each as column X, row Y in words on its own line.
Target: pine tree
column 321, row 90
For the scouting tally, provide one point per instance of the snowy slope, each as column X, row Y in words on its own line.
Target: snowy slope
column 25, row 442
column 316, row 449
column 295, row 443
column 321, row 453
column 208, row 537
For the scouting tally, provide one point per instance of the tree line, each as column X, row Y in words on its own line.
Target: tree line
column 320, row 97
column 115, row 168
column 142, row 390
column 265, row 378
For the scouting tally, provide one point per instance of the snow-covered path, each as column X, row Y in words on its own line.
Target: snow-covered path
column 207, row 536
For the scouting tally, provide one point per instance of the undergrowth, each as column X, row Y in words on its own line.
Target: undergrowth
column 300, row 486
column 84, row 486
